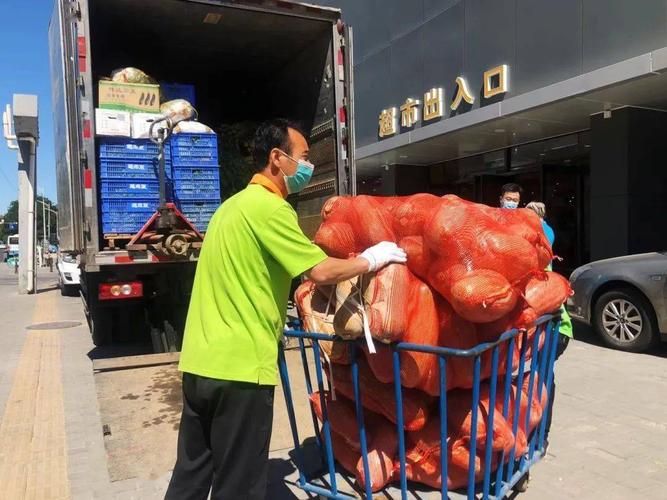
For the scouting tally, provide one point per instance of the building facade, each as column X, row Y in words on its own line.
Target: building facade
column 567, row 98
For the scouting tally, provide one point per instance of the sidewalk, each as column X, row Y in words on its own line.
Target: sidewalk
column 609, row 436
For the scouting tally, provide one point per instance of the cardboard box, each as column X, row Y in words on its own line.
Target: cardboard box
column 112, row 122
column 141, row 123
column 140, row 97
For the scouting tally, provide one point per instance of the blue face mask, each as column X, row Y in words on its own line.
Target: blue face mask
column 298, row 180
column 510, row 204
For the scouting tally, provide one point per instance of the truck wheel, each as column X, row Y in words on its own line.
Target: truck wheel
column 624, row 320
column 101, row 326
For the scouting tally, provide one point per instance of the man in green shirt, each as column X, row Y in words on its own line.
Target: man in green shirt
column 252, row 251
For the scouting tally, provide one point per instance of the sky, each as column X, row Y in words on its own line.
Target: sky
column 24, row 69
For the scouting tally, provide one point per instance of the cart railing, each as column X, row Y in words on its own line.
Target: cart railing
column 510, row 468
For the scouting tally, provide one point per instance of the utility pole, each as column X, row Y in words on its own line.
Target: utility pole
column 43, row 219
column 48, row 225
column 25, row 138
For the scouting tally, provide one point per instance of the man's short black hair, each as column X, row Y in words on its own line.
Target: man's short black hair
column 511, row 187
column 272, row 134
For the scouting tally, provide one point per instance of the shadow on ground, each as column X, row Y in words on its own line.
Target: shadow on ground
column 119, row 349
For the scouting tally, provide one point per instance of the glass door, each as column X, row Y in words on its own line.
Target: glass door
column 563, row 197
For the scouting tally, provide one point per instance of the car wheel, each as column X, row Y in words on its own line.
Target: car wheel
column 624, row 319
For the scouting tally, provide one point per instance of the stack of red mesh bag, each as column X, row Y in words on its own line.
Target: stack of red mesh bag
column 473, row 272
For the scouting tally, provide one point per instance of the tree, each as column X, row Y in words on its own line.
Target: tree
column 12, row 215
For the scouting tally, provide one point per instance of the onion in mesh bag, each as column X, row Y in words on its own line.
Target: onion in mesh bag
column 192, row 127
column 178, row 110
column 131, row 75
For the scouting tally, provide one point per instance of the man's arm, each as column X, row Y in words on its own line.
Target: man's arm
column 332, row 270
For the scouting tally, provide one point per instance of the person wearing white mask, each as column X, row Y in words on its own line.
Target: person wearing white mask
column 510, row 195
column 252, row 251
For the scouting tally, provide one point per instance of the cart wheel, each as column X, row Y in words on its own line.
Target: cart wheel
column 522, row 484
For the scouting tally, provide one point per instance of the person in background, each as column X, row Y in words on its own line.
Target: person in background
column 252, row 251
column 510, row 195
column 565, row 331
column 540, row 209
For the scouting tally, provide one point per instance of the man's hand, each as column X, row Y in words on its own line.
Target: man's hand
column 382, row 254
column 331, row 270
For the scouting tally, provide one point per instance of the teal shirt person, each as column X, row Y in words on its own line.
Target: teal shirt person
column 565, row 321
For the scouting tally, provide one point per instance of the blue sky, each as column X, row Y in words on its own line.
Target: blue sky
column 24, row 69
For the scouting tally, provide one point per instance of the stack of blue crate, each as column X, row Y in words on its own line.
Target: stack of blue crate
column 196, row 176
column 129, row 185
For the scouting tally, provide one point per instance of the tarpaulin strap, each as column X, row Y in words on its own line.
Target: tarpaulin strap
column 326, row 312
column 332, row 388
column 364, row 317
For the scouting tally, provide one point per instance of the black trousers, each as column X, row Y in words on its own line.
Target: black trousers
column 223, row 441
column 560, row 349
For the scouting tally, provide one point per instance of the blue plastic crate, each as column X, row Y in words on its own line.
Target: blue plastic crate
column 129, row 189
column 131, row 169
column 129, row 206
column 171, row 91
column 126, row 217
column 122, row 227
column 196, row 192
column 184, row 173
column 200, row 222
column 199, row 209
column 123, row 148
column 194, row 150
column 194, row 185
column 187, row 140
column 198, row 206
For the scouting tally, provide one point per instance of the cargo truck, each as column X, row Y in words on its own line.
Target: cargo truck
column 249, row 61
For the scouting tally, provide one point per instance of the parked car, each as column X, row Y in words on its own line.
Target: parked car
column 13, row 245
column 624, row 299
column 68, row 274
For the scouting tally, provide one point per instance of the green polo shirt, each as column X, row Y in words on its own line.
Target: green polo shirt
column 252, row 250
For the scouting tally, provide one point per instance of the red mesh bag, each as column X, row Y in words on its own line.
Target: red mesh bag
column 419, row 256
column 459, row 417
column 342, row 417
column 527, row 224
column 410, row 216
column 379, row 397
column 380, row 438
column 482, row 296
column 456, row 333
column 424, row 329
column 337, row 239
column 546, row 294
column 380, row 459
column 387, row 301
column 423, row 454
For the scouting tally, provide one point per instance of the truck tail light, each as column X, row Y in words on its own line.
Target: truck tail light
column 127, row 290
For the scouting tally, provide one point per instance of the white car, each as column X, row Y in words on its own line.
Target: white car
column 68, row 274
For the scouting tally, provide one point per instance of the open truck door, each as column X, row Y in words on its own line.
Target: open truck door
column 64, row 63
column 247, row 61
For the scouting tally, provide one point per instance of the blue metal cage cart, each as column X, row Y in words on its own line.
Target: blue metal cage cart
column 496, row 483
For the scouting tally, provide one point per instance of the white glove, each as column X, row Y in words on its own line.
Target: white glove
column 382, row 254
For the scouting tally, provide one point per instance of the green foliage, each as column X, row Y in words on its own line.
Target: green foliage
column 12, row 215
